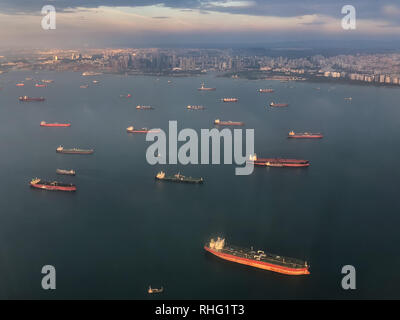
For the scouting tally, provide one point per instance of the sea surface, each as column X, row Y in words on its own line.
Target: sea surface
column 123, row 231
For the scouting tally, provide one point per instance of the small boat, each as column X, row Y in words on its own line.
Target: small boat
column 132, row 129
column 40, row 85
column 66, row 172
column 20, row 84
column 95, row 81
column 348, row 98
column 155, row 290
column 55, row 124
column 84, row 86
column 266, row 90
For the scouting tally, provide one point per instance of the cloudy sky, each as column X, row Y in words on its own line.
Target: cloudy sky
column 130, row 23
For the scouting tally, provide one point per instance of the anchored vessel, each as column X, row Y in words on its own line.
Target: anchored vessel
column 53, row 186
column 228, row 123
column 61, row 149
column 202, row 88
column 20, row 84
column 55, row 124
column 132, row 129
column 265, row 90
column 195, row 107
column 40, row 85
column 305, row 135
column 277, row 162
column 144, row 107
column 258, row 259
column 84, row 86
column 66, row 172
column 273, row 104
column 230, row 99
column 155, row 290
column 177, row 178
column 90, row 73
column 26, row 98
column 349, row 98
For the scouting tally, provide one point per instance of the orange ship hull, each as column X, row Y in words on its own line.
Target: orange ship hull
column 259, row 264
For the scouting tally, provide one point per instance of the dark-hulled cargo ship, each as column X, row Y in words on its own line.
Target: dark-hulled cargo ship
column 61, row 149
column 258, row 259
column 52, row 186
column 30, row 99
column 278, row 162
column 177, row 178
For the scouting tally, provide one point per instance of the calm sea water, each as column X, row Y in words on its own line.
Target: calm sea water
column 122, row 231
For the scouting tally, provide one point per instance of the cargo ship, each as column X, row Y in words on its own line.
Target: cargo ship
column 228, row 123
column 144, row 107
column 278, row 162
column 257, row 259
column 177, row 178
column 84, row 86
column 132, row 129
column 305, row 135
column 40, row 85
column 90, row 73
column 66, row 172
column 195, row 107
column 348, row 99
column 61, row 149
column 273, row 104
column 266, row 90
column 53, row 186
column 47, row 81
column 230, row 99
column 20, row 84
column 203, row 88
column 28, row 99
column 54, row 124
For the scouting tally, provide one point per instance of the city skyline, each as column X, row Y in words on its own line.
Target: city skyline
column 179, row 23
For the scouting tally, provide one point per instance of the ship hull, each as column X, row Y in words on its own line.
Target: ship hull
column 53, row 188
column 259, row 264
column 282, row 163
column 75, row 152
column 306, row 136
column 173, row 179
column 55, row 125
column 142, row 131
column 31, row 99
column 229, row 123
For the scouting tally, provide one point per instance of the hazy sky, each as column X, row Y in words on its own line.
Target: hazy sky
column 97, row 23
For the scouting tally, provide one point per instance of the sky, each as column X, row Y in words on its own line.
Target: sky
column 201, row 23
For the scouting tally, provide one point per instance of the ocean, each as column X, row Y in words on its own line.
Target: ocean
column 123, row 231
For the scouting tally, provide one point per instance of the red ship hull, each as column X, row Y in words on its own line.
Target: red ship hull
column 259, row 264
column 55, row 124
column 53, row 188
column 141, row 131
column 278, row 162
